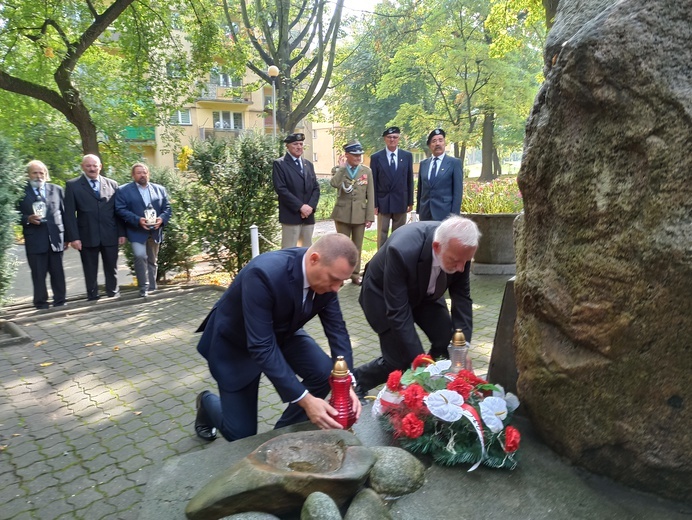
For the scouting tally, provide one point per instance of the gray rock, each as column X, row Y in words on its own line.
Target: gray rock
column 396, row 472
column 319, row 506
column 367, row 505
column 279, row 475
column 604, row 255
column 251, row 516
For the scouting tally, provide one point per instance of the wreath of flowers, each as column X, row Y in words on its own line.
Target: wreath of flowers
column 455, row 417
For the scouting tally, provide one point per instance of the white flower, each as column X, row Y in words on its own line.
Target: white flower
column 493, row 412
column 437, row 368
column 445, row 405
column 511, row 399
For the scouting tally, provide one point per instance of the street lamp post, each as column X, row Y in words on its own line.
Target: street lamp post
column 273, row 72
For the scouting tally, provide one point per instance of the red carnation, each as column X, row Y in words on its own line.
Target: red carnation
column 470, row 377
column 461, row 386
column 422, row 360
column 394, row 381
column 413, row 397
column 412, row 426
column 512, row 439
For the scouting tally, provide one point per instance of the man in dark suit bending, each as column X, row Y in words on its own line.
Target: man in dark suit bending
column 257, row 327
column 91, row 226
column 44, row 235
column 392, row 171
column 403, row 286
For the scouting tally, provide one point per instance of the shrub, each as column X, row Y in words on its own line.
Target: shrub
column 12, row 178
column 327, row 200
column 234, row 191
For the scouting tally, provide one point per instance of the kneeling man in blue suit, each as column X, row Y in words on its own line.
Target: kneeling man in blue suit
column 257, row 327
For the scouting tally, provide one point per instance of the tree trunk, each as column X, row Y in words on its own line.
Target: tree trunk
column 487, row 147
column 497, row 166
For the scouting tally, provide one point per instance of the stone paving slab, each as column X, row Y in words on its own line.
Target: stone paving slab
column 102, row 396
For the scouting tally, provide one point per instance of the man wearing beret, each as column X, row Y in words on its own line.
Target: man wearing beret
column 296, row 185
column 440, row 179
column 392, row 171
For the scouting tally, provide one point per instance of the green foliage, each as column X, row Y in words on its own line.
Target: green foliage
column 327, row 200
column 59, row 55
column 234, row 190
column 501, row 195
column 432, row 63
column 12, row 178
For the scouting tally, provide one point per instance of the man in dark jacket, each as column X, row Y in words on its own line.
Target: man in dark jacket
column 42, row 225
column 296, row 185
column 404, row 286
column 92, row 227
column 257, row 327
column 392, row 171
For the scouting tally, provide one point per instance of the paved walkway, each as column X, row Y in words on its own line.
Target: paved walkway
column 104, row 394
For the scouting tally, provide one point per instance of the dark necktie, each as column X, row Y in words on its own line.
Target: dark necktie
column 307, row 304
column 39, row 196
column 299, row 165
column 392, row 163
column 93, row 187
column 440, row 284
column 433, row 170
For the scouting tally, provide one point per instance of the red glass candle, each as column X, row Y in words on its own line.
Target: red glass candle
column 340, row 381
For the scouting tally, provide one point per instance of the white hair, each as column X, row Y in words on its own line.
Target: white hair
column 458, row 228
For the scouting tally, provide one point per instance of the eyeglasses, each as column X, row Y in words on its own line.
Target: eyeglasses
column 393, row 137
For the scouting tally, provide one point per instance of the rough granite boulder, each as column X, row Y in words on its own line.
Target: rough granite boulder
column 319, row 506
column 367, row 505
column 396, row 472
column 604, row 253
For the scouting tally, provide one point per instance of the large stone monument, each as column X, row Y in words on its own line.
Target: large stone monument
column 604, row 253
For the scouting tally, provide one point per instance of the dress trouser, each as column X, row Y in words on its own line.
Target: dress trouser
column 434, row 319
column 355, row 232
column 40, row 265
column 296, row 235
column 383, row 220
column 234, row 413
column 90, row 264
column 146, row 263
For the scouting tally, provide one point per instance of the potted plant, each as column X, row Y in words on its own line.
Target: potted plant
column 493, row 206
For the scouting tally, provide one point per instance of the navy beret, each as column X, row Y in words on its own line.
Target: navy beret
column 391, row 130
column 437, row 131
column 292, row 138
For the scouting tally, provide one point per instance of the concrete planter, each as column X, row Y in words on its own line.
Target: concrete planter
column 495, row 254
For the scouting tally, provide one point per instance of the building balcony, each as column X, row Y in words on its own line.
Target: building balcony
column 219, row 94
column 219, row 133
column 140, row 134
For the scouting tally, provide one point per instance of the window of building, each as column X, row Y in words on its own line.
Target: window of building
column 223, row 79
column 228, row 120
column 181, row 117
column 314, row 134
column 314, row 157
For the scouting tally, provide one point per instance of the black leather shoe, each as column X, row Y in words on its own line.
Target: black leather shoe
column 361, row 393
column 202, row 427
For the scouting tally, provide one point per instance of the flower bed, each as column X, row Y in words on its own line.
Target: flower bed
column 501, row 195
column 455, row 417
